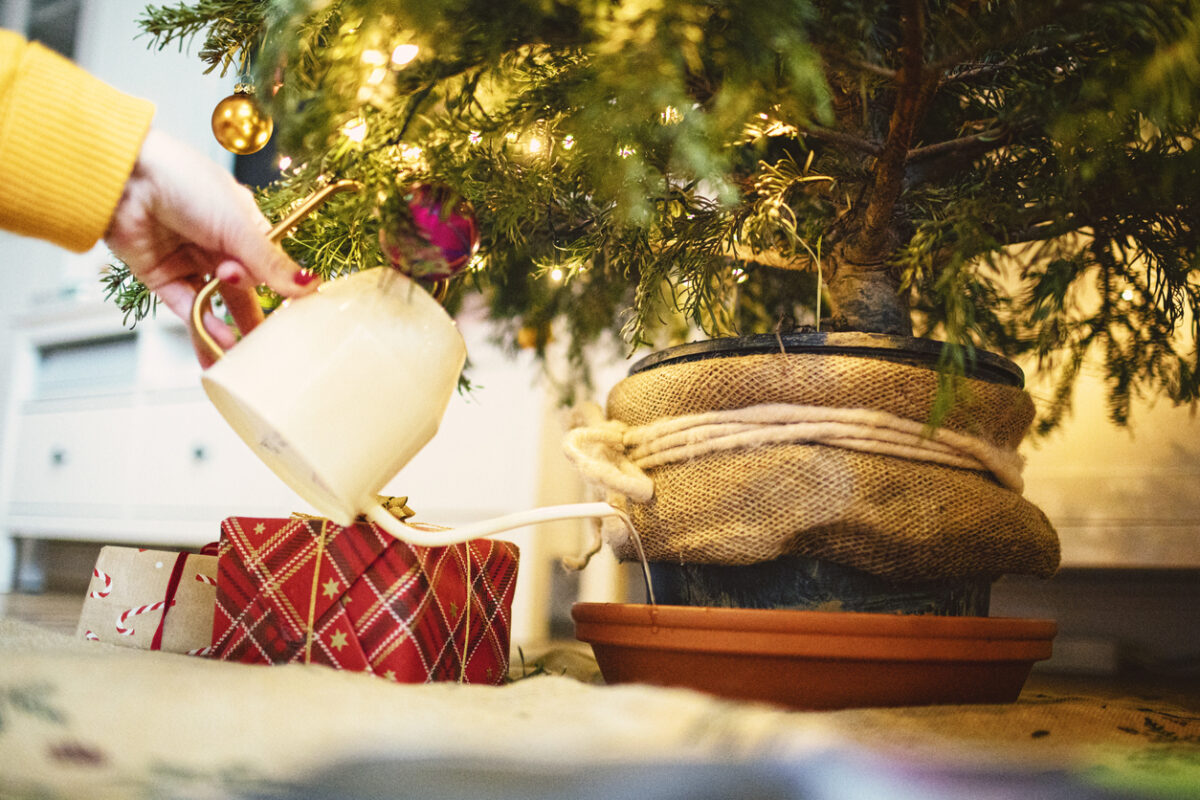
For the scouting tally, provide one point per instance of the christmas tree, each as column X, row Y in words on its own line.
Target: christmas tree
column 1017, row 176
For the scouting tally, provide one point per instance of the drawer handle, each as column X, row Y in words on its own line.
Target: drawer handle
column 58, row 456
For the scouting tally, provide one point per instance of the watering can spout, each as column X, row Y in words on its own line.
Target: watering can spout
column 384, row 519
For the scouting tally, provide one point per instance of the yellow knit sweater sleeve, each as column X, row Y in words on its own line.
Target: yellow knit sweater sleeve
column 68, row 143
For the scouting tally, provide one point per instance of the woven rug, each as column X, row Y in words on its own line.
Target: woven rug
column 89, row 720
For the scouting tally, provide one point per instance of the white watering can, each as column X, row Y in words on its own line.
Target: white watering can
column 337, row 390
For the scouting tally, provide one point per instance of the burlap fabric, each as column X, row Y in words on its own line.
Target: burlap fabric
column 892, row 517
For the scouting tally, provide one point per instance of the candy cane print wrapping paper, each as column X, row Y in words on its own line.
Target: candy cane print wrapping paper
column 151, row 599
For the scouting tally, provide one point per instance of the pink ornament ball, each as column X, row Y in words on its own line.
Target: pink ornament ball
column 441, row 239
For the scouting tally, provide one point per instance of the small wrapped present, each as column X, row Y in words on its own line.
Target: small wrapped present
column 151, row 599
column 305, row 590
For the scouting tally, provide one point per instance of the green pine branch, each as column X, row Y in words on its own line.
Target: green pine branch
column 642, row 171
column 232, row 29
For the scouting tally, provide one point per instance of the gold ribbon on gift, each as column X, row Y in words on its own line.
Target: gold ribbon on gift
column 312, row 599
column 397, row 507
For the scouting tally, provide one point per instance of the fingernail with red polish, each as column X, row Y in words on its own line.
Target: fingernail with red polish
column 304, row 278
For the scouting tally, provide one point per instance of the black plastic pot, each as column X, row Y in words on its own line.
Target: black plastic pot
column 984, row 366
column 806, row 583
column 816, row 585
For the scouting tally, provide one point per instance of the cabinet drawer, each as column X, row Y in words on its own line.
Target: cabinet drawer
column 76, row 461
column 191, row 464
column 103, row 365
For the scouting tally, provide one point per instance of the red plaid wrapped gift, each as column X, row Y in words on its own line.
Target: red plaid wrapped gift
column 305, row 590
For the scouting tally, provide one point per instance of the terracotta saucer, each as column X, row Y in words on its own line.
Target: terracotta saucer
column 815, row 659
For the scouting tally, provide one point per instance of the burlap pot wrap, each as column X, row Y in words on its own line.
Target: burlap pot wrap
column 887, row 515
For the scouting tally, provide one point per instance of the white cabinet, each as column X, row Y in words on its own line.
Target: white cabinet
column 110, row 438
column 71, row 461
column 71, row 377
column 192, row 466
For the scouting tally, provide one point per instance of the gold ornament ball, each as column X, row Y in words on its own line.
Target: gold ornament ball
column 530, row 337
column 240, row 124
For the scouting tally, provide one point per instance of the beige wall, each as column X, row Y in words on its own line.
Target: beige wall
column 1120, row 496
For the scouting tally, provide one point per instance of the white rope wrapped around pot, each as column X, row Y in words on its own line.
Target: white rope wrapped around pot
column 615, row 455
column 747, row 458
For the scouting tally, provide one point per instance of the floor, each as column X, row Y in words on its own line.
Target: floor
column 58, row 612
column 52, row 580
column 64, row 574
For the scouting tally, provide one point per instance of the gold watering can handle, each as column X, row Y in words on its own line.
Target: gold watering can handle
column 310, row 204
column 283, row 228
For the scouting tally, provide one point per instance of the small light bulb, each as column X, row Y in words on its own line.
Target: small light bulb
column 411, row 152
column 568, row 142
column 670, row 115
column 535, row 145
column 285, row 162
column 556, row 274
column 1127, row 295
column 377, row 75
column 512, row 136
column 474, row 137
column 625, row 151
column 355, row 130
column 404, row 53
column 374, row 57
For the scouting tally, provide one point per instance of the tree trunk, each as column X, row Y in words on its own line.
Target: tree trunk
column 866, row 297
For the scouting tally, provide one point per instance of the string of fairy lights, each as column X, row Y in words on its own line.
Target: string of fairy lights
column 242, row 126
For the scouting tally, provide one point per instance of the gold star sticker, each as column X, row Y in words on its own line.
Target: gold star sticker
column 453, row 609
column 259, row 528
column 390, row 674
column 331, row 588
column 338, row 641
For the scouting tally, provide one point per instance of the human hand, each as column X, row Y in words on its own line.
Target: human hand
column 183, row 219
